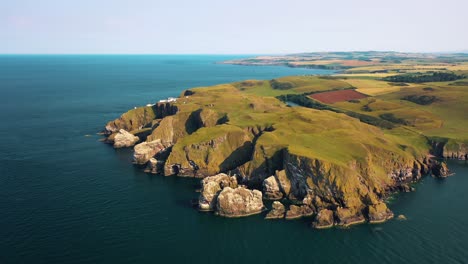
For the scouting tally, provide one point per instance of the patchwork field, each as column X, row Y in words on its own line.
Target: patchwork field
column 338, row 96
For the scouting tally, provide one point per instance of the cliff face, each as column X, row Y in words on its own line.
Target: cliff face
column 456, row 150
column 449, row 148
column 210, row 151
column 140, row 117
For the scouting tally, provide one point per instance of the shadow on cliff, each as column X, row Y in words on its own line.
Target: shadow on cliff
column 253, row 177
column 193, row 122
column 238, row 157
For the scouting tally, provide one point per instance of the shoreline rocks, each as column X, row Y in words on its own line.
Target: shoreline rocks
column 211, row 187
column 239, row 202
column 277, row 211
column 324, row 219
column 271, row 189
column 347, row 217
column 379, row 213
column 143, row 152
column 124, row 139
column 296, row 212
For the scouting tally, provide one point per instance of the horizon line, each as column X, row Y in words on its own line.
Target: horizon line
column 233, row 54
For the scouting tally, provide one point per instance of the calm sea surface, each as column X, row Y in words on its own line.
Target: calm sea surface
column 67, row 198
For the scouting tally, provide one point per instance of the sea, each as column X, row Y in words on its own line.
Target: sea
column 66, row 197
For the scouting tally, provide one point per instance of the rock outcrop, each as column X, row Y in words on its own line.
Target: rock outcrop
column 324, row 219
column 277, row 211
column 440, row 169
column 211, row 187
column 143, row 152
column 347, row 217
column 152, row 166
column 124, row 139
column 239, row 202
column 379, row 213
column 271, row 189
column 298, row 211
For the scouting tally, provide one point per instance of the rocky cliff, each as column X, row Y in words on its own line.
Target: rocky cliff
column 319, row 164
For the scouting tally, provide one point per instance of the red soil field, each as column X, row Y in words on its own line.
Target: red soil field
column 337, row 96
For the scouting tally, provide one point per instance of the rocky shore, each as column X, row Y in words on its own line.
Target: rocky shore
column 241, row 170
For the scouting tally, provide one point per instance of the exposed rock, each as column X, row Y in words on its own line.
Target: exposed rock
column 143, row 152
column 296, row 211
column 401, row 217
column 284, row 182
column 403, row 175
column 271, row 189
column 239, row 202
column 324, row 219
column 307, row 210
column 124, row 139
column 379, row 213
column 152, row 166
column 277, row 211
column 440, row 169
column 211, row 186
column 455, row 150
column 406, row 188
column 347, row 217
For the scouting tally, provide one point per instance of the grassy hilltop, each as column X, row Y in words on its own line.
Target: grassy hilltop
column 348, row 155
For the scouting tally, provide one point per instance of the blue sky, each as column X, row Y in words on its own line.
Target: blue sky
column 231, row 27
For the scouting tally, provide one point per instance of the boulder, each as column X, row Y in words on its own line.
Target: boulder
column 124, row 139
column 324, row 219
column 401, row 217
column 379, row 213
column 347, row 217
column 239, row 202
column 271, row 189
column 152, row 166
column 296, row 211
column 277, row 211
column 143, row 152
column 211, row 186
column 293, row 212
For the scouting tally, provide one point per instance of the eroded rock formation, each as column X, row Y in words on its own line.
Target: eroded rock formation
column 277, row 211
column 211, row 187
column 237, row 202
column 124, row 139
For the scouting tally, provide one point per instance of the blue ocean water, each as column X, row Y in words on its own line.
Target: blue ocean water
column 65, row 197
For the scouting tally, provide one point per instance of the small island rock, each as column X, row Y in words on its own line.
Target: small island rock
column 239, row 202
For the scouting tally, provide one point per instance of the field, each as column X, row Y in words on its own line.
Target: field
column 338, row 96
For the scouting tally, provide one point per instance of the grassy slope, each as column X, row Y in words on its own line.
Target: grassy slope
column 325, row 135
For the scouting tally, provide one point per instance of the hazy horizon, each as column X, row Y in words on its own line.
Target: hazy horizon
column 240, row 28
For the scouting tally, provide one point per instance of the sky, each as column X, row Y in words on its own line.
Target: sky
column 230, row 27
